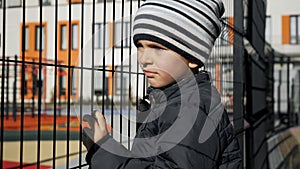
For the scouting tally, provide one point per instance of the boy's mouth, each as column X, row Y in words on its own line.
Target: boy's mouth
column 149, row 74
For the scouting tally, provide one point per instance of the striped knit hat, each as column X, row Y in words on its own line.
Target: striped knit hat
column 188, row 27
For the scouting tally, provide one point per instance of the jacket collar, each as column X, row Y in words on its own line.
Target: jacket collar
column 174, row 90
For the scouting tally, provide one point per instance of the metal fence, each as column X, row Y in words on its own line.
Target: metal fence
column 62, row 59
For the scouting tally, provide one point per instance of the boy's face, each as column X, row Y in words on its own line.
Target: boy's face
column 161, row 65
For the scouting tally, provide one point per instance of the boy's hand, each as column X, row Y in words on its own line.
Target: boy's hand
column 96, row 130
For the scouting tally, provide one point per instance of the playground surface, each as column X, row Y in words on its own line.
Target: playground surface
column 44, row 122
column 41, row 128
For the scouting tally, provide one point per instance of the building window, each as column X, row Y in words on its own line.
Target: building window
column 101, row 32
column 75, row 36
column 74, row 82
column 121, row 82
column 62, row 81
column 33, row 37
column 63, row 38
column 295, row 29
column 25, row 88
column 46, row 2
column 122, row 33
column 0, row 3
column 104, row 35
column 26, row 45
column 38, row 39
column 268, row 32
column 14, row 3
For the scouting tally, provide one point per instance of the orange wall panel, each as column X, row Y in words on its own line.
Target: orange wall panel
column 230, row 30
column 74, row 1
column 285, row 29
column 32, row 54
column 218, row 77
column 63, row 54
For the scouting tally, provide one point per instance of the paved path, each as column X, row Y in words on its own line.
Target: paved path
column 285, row 145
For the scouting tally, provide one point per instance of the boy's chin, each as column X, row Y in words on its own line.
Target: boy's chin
column 161, row 85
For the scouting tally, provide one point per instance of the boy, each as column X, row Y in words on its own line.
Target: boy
column 187, row 126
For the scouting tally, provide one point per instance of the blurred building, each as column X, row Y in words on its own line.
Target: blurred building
column 283, row 34
column 99, row 39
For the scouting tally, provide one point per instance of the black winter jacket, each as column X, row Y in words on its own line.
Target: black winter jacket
column 187, row 127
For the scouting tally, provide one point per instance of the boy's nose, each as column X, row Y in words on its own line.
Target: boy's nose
column 145, row 58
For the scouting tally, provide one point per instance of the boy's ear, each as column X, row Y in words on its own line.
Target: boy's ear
column 192, row 65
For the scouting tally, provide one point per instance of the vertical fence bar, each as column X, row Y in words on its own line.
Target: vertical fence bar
column 14, row 107
column 104, row 84
column 113, row 65
column 38, row 84
column 238, row 60
column 2, row 82
column 279, row 95
column 93, row 54
column 22, row 85
column 121, row 72
column 33, row 87
column 81, row 82
column 69, row 82
column 138, row 122
column 129, row 90
column 7, row 86
column 288, row 93
column 55, row 85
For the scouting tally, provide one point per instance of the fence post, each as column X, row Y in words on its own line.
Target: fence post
column 7, row 87
column 279, row 94
column 15, row 90
column 34, row 86
column 238, row 60
column 290, row 118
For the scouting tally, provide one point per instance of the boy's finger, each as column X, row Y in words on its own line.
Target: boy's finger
column 90, row 119
column 100, row 120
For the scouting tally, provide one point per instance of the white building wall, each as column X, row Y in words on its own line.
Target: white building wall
column 276, row 9
column 14, row 20
column 13, row 40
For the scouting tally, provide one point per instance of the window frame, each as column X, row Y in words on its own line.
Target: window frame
column 8, row 5
column 268, row 32
column 63, row 37
column 26, row 37
column 37, row 37
column 74, row 40
column 74, row 82
column 126, row 34
column 99, row 34
column 295, row 39
column 62, row 82
column 46, row 2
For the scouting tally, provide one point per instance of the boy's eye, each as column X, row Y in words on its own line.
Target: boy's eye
column 157, row 47
column 139, row 45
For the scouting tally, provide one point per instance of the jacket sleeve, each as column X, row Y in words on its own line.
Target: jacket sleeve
column 231, row 154
column 110, row 154
column 178, row 157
